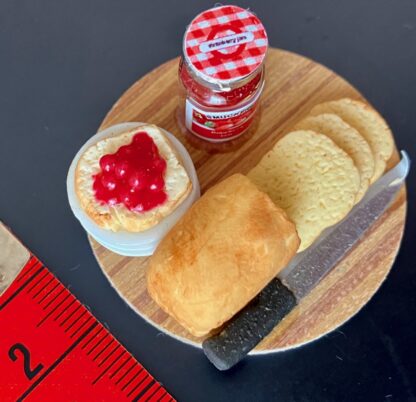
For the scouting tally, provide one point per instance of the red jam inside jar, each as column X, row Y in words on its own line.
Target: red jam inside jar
column 133, row 176
column 222, row 73
column 218, row 99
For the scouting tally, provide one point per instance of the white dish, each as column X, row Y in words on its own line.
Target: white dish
column 128, row 253
column 123, row 242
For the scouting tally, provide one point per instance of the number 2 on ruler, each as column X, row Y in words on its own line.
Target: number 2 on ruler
column 30, row 373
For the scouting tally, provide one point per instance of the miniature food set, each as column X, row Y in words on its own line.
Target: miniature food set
column 317, row 154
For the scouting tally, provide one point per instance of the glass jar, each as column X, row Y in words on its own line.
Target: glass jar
column 221, row 73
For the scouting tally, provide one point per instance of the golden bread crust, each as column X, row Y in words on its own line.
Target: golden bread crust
column 220, row 255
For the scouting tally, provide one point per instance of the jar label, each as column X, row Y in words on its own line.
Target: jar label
column 220, row 125
column 225, row 43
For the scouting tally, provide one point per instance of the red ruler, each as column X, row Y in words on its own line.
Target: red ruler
column 53, row 349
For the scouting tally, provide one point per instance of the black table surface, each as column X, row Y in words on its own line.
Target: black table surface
column 63, row 65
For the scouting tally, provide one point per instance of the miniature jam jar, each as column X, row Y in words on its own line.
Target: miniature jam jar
column 221, row 72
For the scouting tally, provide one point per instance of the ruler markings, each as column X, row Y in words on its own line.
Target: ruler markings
column 140, row 377
column 144, row 385
column 133, row 378
column 53, row 310
column 56, row 363
column 54, row 298
column 151, row 391
column 120, row 367
column 34, row 287
column 29, row 280
column 76, row 308
column 56, row 293
column 65, row 309
column 163, row 395
column 149, row 394
column 93, row 336
column 48, row 294
column 102, row 350
column 159, row 394
column 108, row 367
column 126, row 370
column 137, row 385
column 37, row 282
column 42, row 288
column 91, row 350
column 108, row 356
column 126, row 373
column 73, row 312
column 76, row 320
column 87, row 321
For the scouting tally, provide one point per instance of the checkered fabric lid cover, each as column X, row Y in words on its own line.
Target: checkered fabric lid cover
column 225, row 44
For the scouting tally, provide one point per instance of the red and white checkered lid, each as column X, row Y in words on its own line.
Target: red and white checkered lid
column 225, row 44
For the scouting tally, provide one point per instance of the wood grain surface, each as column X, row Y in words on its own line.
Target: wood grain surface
column 294, row 84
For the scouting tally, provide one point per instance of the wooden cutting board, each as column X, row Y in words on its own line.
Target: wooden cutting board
column 294, row 84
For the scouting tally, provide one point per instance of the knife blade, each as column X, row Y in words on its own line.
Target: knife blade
column 303, row 273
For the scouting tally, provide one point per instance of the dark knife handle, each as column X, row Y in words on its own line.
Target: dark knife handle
column 248, row 327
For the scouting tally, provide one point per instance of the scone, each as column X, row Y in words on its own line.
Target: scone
column 131, row 181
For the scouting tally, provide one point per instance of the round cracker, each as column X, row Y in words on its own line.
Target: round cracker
column 311, row 178
column 368, row 123
column 349, row 140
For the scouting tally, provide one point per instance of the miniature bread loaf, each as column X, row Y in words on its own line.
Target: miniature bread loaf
column 220, row 255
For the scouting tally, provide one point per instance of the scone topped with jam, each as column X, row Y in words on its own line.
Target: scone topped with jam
column 131, row 181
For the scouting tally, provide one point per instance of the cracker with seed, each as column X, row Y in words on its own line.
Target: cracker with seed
column 348, row 139
column 311, row 178
column 368, row 123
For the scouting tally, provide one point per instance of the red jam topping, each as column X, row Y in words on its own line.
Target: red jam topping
column 132, row 176
column 217, row 99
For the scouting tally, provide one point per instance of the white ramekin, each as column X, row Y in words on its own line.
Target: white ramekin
column 123, row 242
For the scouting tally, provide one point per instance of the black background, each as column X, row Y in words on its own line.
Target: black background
column 62, row 66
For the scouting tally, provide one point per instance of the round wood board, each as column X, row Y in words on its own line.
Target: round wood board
column 294, row 84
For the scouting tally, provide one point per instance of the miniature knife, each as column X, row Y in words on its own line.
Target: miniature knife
column 303, row 273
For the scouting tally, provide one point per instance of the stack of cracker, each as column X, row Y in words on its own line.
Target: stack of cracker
column 318, row 172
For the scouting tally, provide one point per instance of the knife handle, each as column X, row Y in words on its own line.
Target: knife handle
column 248, row 327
